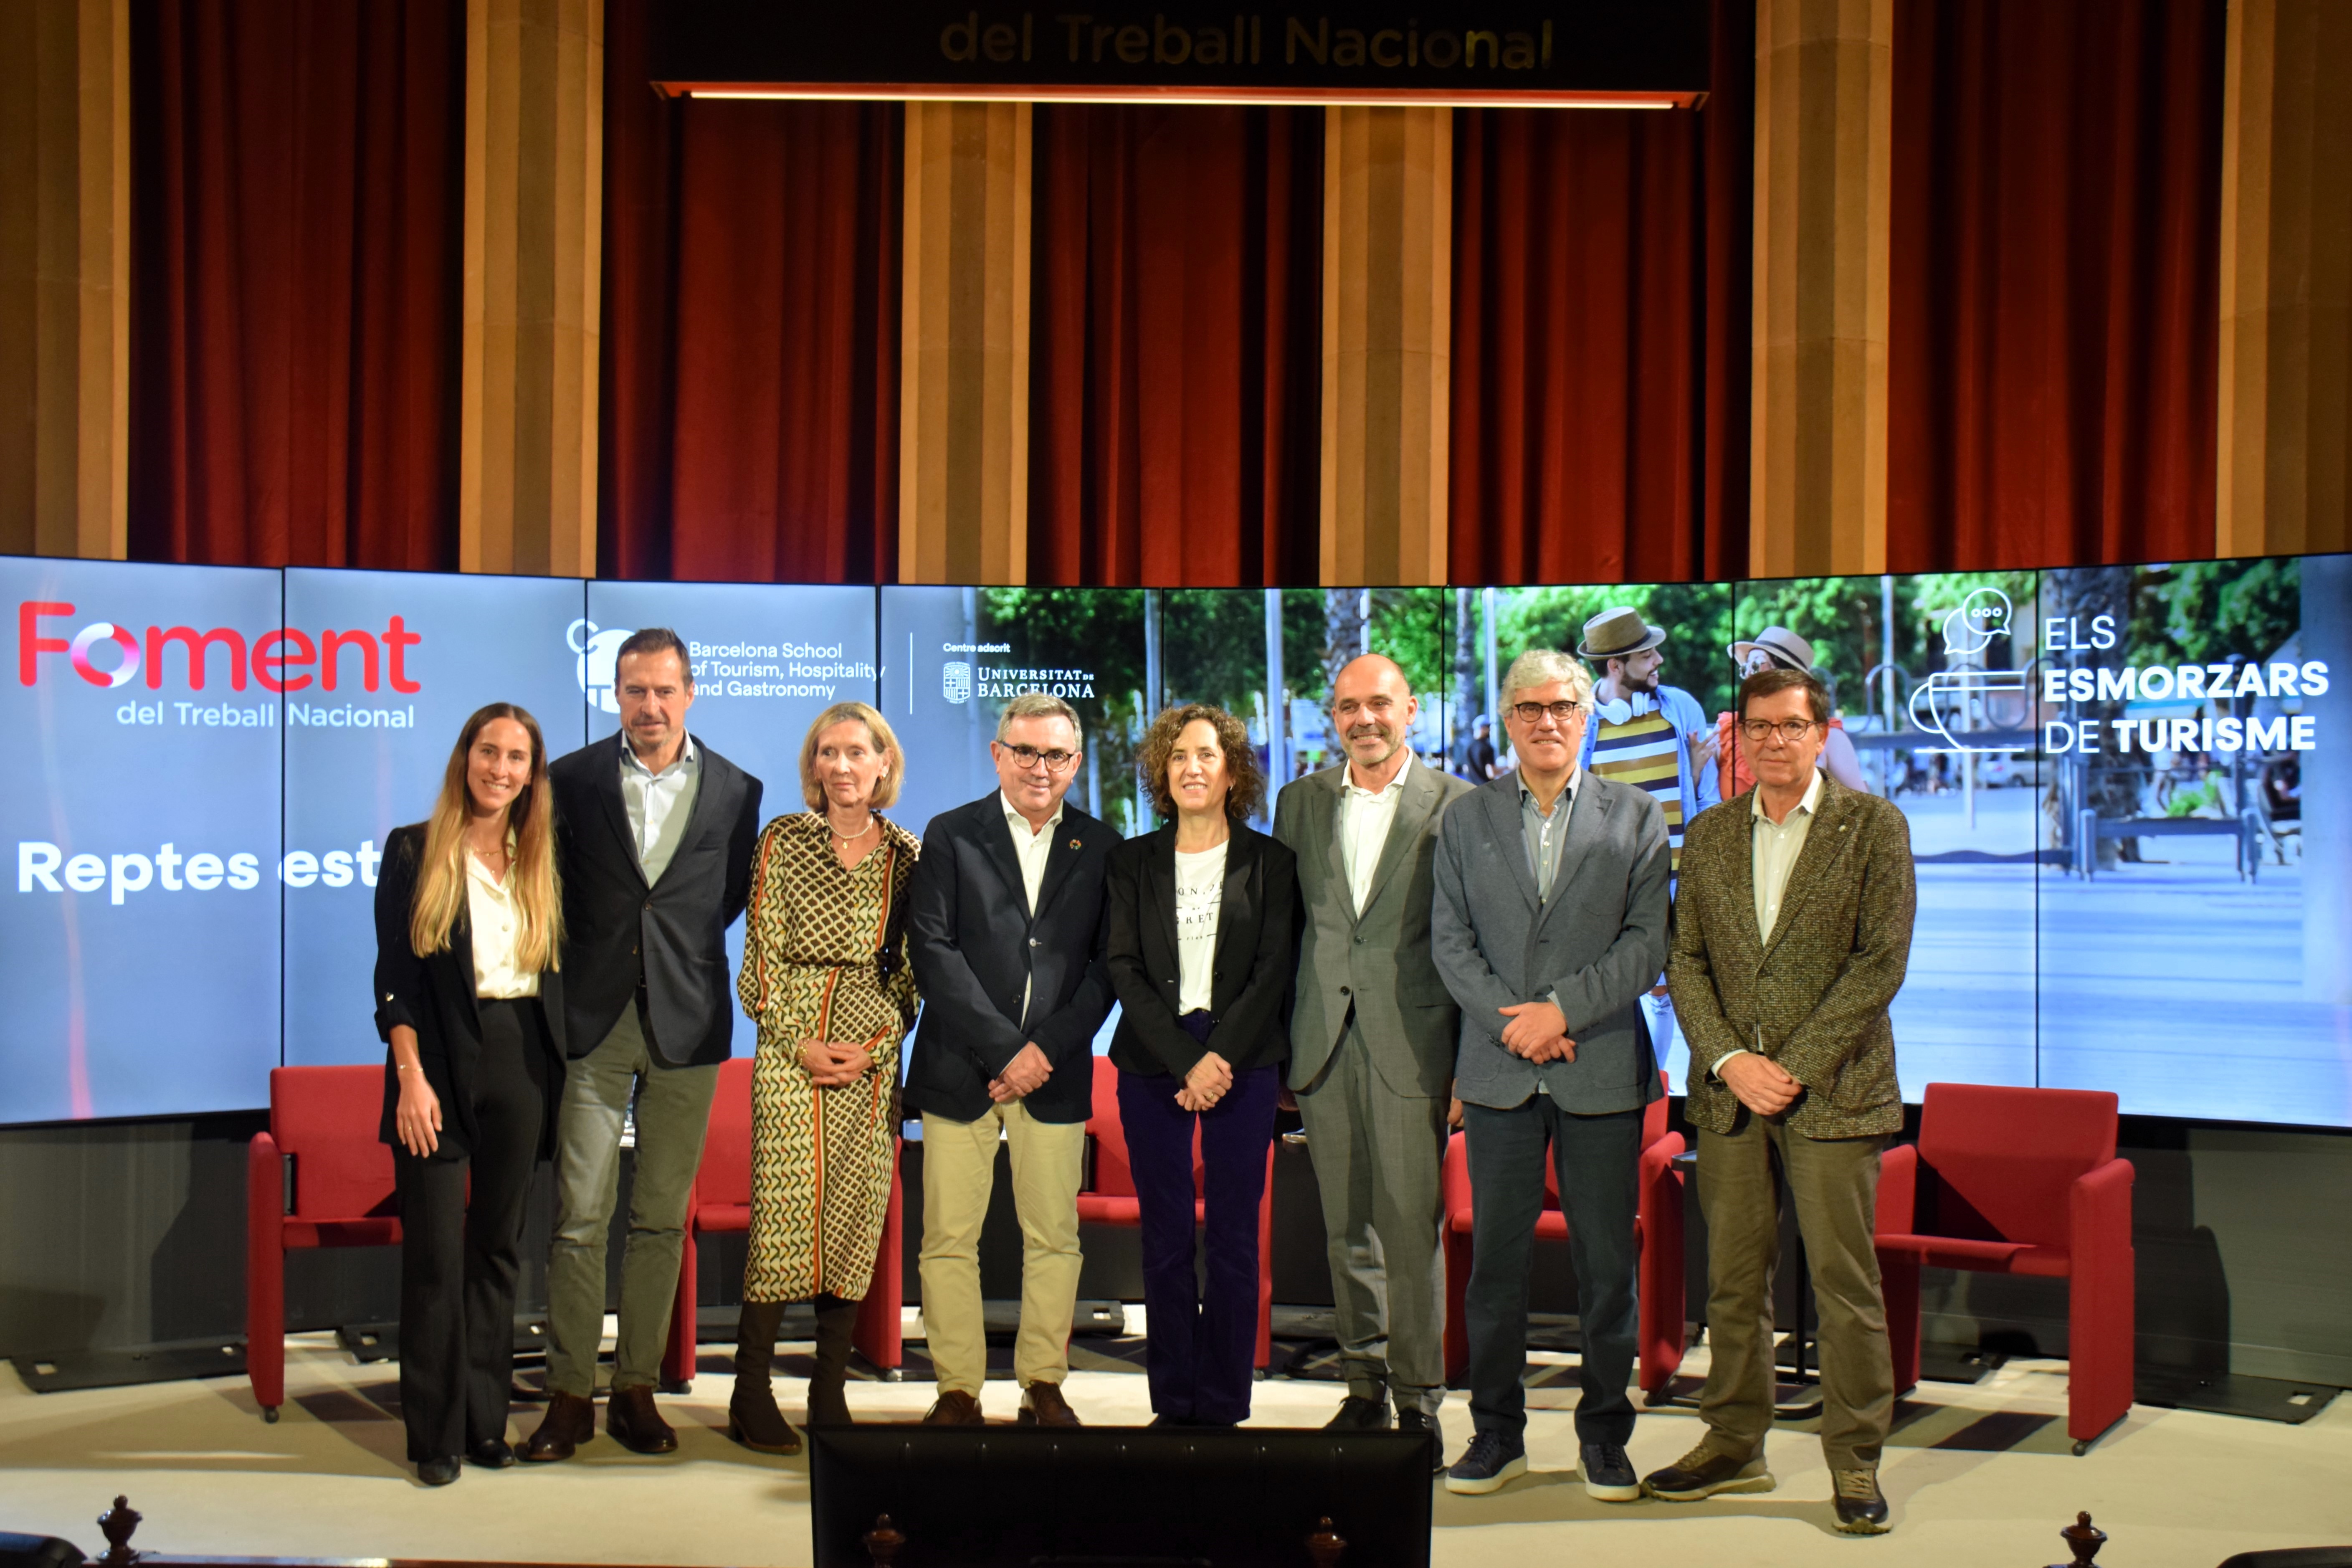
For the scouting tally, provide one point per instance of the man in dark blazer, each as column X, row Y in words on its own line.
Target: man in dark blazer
column 1372, row 1045
column 1549, row 926
column 1004, row 931
column 654, row 839
column 1793, row 930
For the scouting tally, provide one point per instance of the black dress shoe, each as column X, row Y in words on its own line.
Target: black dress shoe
column 1173, row 1420
column 569, row 1421
column 634, row 1423
column 437, row 1472
column 1426, row 1421
column 1861, row 1506
column 491, row 1454
column 1358, row 1413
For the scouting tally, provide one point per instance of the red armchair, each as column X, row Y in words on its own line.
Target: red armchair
column 1109, row 1196
column 318, row 1177
column 1657, row 1231
column 2018, row 1181
column 722, row 1202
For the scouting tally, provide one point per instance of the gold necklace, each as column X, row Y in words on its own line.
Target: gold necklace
column 872, row 822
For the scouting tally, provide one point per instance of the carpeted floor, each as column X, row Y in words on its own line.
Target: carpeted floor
column 1978, row 1477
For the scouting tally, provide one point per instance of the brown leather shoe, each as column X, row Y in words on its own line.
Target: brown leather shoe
column 569, row 1421
column 955, row 1408
column 635, row 1425
column 1042, row 1404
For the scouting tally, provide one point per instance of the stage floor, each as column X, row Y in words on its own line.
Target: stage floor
column 1978, row 1476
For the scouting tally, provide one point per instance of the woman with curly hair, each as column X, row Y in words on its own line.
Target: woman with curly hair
column 1200, row 947
column 825, row 976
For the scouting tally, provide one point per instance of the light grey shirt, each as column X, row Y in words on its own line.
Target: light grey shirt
column 1365, row 817
column 1546, row 836
column 659, row 805
column 1773, row 848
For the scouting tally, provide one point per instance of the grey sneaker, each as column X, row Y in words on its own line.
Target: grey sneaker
column 1489, row 1461
column 1861, row 1506
column 1608, row 1473
column 1702, row 1473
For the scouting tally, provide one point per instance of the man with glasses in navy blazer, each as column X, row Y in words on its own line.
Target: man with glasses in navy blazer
column 1004, row 931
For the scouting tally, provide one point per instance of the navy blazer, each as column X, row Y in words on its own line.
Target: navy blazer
column 1257, row 947
column 434, row 997
column 671, row 936
column 975, row 945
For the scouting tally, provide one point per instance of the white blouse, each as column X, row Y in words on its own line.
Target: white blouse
column 489, row 901
column 1199, row 898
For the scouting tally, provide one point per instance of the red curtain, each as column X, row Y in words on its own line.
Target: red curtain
column 750, row 390
column 1600, row 340
column 297, row 232
column 1175, row 345
column 2054, row 294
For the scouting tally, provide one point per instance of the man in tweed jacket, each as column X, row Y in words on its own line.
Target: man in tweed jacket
column 1792, row 928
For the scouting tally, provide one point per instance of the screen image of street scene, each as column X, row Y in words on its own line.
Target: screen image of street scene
column 2195, row 834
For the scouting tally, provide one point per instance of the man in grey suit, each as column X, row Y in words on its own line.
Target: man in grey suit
column 1550, row 925
column 1372, row 1045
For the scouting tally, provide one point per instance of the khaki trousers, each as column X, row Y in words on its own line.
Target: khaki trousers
column 959, row 1175
column 1834, row 1182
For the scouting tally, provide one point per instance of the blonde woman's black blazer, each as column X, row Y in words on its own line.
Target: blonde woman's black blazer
column 434, row 997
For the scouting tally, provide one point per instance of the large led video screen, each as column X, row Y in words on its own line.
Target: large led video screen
column 2126, row 785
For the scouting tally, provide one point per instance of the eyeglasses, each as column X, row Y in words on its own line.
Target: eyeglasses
column 1028, row 757
column 1790, row 730
column 1532, row 713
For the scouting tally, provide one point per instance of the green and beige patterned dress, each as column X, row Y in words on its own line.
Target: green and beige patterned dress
column 822, row 1158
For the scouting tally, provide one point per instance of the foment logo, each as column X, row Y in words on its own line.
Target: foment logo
column 278, row 660
column 598, row 651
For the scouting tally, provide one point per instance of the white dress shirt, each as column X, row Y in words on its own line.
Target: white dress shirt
column 497, row 925
column 658, row 805
column 1365, row 817
column 1773, row 847
column 1032, row 848
column 1200, row 900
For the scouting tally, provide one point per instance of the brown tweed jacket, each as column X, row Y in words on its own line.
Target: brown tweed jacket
column 1813, row 998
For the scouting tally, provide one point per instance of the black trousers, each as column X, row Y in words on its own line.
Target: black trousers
column 1599, row 1162
column 460, row 1256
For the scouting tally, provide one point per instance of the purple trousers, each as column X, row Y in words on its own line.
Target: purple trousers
column 1203, row 1342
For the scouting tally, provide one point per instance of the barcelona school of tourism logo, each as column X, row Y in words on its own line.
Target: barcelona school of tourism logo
column 598, row 649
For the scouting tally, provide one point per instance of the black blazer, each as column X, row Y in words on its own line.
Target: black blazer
column 1257, row 947
column 974, row 945
column 619, row 934
column 434, row 997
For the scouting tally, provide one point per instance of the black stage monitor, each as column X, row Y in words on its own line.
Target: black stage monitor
column 1008, row 1496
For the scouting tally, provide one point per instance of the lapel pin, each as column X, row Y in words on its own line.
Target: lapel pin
column 1073, row 844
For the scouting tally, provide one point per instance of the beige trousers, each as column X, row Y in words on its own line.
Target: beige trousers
column 958, row 1175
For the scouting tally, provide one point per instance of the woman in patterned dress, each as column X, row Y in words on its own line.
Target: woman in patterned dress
column 825, row 978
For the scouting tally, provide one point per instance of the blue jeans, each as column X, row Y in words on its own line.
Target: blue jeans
column 1203, row 1344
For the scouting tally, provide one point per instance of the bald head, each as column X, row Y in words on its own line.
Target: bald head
column 1372, row 705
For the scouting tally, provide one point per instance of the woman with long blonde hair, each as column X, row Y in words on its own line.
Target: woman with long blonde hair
column 825, row 976
column 469, row 921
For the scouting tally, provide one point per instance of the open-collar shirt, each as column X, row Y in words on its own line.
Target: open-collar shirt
column 1365, row 817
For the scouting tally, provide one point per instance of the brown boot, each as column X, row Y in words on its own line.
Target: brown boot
column 1042, row 1404
column 955, row 1408
column 569, row 1421
column 835, row 1323
column 753, row 1418
column 635, row 1423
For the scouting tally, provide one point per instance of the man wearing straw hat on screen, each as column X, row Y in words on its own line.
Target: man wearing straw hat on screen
column 1651, row 735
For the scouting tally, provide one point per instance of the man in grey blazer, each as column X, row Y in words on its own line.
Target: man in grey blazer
column 1550, row 923
column 1372, row 1045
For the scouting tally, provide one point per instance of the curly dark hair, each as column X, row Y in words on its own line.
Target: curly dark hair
column 1245, row 779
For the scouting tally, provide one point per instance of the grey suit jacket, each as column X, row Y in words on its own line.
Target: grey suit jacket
column 1378, row 964
column 1597, row 946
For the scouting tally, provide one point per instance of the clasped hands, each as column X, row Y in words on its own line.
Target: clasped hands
column 1206, row 1084
column 1759, row 1083
column 835, row 1064
column 1023, row 1075
column 1538, row 1032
